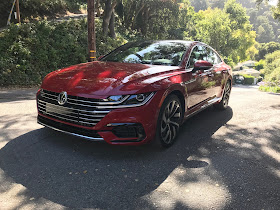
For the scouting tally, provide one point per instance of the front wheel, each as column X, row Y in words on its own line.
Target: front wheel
column 169, row 121
column 223, row 104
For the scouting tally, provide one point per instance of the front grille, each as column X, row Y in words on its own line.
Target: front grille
column 69, row 128
column 77, row 110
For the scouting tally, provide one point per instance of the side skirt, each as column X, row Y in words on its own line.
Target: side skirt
column 202, row 107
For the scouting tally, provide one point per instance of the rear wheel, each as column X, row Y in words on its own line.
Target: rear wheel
column 223, row 104
column 169, row 121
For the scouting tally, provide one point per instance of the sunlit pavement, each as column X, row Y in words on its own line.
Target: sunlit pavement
column 222, row 160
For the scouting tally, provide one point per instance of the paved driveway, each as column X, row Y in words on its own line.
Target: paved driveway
column 222, row 160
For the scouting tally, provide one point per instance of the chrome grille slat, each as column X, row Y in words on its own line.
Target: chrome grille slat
column 53, row 99
column 86, row 115
column 66, row 115
column 80, row 113
column 42, row 107
column 93, row 112
column 91, row 120
column 71, row 119
column 50, row 95
column 99, row 103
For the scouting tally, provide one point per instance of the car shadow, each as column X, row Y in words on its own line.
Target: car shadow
column 82, row 174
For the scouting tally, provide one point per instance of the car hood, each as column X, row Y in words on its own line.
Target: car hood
column 105, row 78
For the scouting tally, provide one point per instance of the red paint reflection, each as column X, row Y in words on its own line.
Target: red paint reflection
column 104, row 74
column 76, row 79
column 176, row 79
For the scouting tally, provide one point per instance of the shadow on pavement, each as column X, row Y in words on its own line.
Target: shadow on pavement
column 17, row 95
column 81, row 174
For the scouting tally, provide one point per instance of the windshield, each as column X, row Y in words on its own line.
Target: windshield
column 155, row 53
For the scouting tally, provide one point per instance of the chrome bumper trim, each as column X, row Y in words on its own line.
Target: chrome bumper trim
column 73, row 134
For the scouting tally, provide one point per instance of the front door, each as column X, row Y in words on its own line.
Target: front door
column 201, row 83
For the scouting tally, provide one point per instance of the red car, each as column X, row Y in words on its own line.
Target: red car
column 141, row 92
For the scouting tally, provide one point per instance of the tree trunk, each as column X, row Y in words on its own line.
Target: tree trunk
column 109, row 7
column 146, row 14
column 112, row 25
column 136, row 15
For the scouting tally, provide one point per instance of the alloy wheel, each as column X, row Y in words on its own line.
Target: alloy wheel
column 170, row 122
column 226, row 95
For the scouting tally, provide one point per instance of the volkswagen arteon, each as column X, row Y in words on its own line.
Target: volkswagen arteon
column 139, row 93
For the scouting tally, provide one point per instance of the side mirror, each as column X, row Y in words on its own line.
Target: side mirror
column 202, row 65
column 100, row 57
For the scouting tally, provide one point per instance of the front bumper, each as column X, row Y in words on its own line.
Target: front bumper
column 125, row 126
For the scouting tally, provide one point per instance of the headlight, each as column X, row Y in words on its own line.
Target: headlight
column 115, row 98
column 130, row 100
column 136, row 99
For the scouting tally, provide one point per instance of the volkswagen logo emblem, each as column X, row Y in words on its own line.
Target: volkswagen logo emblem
column 62, row 98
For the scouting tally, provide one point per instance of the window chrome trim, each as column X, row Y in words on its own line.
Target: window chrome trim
column 73, row 134
column 201, row 44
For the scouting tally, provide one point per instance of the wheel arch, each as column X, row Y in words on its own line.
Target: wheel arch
column 178, row 91
column 181, row 97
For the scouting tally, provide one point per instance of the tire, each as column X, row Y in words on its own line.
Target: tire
column 169, row 121
column 223, row 104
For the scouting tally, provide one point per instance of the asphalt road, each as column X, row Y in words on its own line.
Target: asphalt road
column 222, row 160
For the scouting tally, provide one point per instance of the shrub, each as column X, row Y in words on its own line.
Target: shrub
column 248, row 80
column 271, row 89
column 30, row 51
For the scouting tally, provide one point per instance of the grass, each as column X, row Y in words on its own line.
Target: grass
column 270, row 89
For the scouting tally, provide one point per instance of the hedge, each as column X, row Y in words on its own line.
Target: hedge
column 30, row 51
column 248, row 80
column 271, row 89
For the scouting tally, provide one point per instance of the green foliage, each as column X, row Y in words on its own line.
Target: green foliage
column 31, row 9
column 260, row 65
column 267, row 48
column 275, row 10
column 228, row 31
column 271, row 69
column 270, row 89
column 263, row 22
column 248, row 80
column 217, row 3
column 157, row 19
column 30, row 51
column 200, row 4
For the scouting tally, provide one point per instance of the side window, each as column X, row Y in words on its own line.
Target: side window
column 212, row 57
column 199, row 53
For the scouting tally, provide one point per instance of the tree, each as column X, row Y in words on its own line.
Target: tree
column 109, row 18
column 228, row 31
column 157, row 19
column 265, row 31
column 200, row 4
column 237, row 14
column 214, row 28
column 218, row 3
column 271, row 69
column 267, row 48
column 275, row 10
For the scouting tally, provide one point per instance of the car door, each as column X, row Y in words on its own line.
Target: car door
column 217, row 72
column 198, row 83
